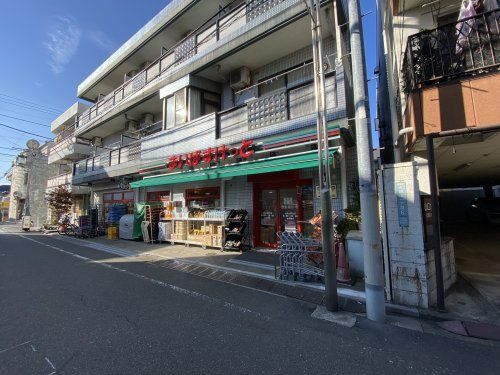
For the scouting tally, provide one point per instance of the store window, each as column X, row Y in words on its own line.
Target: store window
column 203, row 198
column 122, row 197
column 158, row 196
column 176, row 109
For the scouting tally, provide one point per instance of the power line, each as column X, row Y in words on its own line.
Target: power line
column 30, row 102
column 29, row 106
column 21, row 119
column 26, row 132
column 12, row 148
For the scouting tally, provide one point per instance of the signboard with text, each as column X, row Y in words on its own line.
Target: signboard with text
column 210, row 155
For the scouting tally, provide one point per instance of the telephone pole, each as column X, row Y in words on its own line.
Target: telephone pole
column 331, row 299
column 374, row 274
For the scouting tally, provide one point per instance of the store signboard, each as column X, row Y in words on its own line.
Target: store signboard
column 402, row 203
column 211, row 154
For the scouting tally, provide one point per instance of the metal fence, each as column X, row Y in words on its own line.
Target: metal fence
column 113, row 157
column 471, row 45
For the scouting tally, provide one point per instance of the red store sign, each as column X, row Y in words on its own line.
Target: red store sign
column 209, row 155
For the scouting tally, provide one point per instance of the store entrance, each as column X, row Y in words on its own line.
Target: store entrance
column 281, row 207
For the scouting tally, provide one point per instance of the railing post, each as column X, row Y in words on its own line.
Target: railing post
column 217, row 126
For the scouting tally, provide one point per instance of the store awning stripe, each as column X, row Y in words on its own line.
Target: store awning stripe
column 308, row 160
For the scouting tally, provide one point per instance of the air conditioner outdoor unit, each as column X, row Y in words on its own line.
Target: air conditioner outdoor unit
column 239, row 78
column 131, row 126
column 97, row 141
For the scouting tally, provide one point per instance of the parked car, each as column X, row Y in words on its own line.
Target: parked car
column 484, row 210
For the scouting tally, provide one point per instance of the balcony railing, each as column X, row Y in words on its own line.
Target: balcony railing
column 62, row 179
column 118, row 156
column 471, row 45
column 224, row 23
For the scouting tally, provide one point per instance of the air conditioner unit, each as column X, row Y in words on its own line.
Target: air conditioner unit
column 131, row 126
column 239, row 78
column 97, row 141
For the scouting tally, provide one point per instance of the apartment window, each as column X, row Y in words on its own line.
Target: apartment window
column 176, row 109
column 210, row 103
column 275, row 85
column 25, row 182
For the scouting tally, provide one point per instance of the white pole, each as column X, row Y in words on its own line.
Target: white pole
column 331, row 299
column 374, row 275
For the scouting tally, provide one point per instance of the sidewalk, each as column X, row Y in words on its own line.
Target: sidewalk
column 250, row 269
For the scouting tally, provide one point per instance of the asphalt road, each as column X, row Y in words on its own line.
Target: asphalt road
column 68, row 309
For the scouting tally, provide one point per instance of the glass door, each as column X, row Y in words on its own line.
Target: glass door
column 288, row 209
column 268, row 216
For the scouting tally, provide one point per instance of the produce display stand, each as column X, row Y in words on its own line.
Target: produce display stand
column 212, row 229
column 206, row 231
column 235, row 230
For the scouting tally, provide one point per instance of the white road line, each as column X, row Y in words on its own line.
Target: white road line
column 33, row 348
column 14, row 347
column 175, row 288
column 50, row 363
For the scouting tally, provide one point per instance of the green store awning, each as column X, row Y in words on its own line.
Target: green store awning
column 276, row 164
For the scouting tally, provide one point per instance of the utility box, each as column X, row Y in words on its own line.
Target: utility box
column 127, row 227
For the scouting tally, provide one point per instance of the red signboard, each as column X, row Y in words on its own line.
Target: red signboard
column 212, row 154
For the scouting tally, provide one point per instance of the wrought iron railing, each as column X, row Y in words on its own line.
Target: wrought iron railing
column 225, row 22
column 468, row 46
column 109, row 158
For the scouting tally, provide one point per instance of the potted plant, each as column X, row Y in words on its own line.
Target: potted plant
column 345, row 225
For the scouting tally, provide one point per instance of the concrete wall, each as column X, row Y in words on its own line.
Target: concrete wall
column 411, row 260
column 18, row 184
column 39, row 172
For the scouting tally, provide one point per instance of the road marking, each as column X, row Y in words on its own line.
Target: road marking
column 175, row 288
column 33, row 348
column 50, row 363
column 14, row 347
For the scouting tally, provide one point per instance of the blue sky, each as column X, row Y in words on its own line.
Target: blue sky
column 49, row 47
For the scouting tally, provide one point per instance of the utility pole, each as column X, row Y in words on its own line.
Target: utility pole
column 374, row 275
column 331, row 300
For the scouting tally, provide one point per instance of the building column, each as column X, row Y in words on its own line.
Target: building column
column 222, row 193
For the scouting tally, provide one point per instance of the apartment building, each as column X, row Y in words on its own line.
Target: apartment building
column 65, row 149
column 438, row 89
column 28, row 177
column 211, row 104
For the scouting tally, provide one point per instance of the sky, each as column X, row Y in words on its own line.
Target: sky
column 49, row 47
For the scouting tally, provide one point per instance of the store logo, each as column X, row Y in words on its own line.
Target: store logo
column 210, row 155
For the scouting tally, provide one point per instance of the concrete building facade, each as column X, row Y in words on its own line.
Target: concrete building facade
column 206, row 76
column 438, row 82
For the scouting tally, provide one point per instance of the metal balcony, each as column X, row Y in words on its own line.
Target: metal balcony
column 66, row 180
column 216, row 28
column 65, row 147
column 466, row 47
